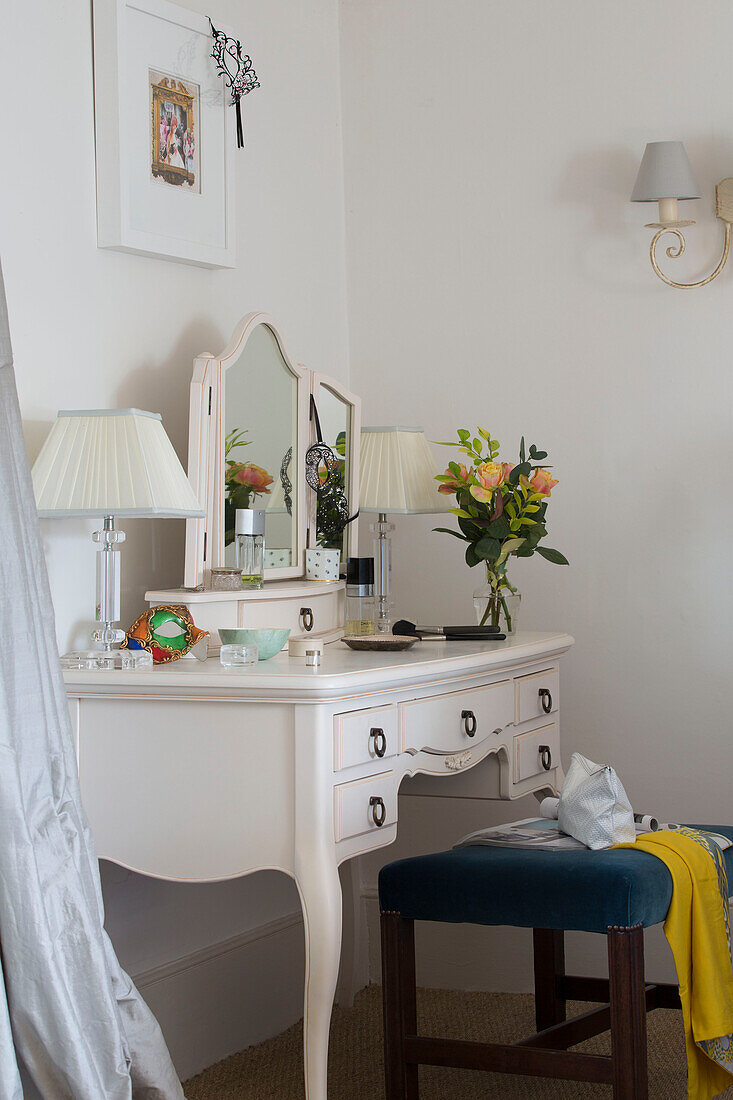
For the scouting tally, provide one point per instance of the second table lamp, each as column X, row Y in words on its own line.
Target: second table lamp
column 398, row 478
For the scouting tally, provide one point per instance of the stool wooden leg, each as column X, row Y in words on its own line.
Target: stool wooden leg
column 549, row 965
column 628, row 1012
column 399, row 995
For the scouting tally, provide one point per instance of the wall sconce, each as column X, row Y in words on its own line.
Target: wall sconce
column 665, row 176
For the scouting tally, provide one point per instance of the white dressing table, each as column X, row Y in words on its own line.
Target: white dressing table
column 192, row 772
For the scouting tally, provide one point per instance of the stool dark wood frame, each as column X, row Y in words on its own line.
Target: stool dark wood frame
column 625, row 996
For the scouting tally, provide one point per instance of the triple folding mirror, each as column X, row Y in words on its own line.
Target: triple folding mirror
column 253, row 415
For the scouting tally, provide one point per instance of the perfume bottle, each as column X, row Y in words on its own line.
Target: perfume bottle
column 249, row 545
column 360, row 604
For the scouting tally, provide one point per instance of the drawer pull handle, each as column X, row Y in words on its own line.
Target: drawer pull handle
column 546, row 699
column 379, row 811
column 545, row 756
column 380, row 742
column 469, row 722
column 306, row 618
column 497, row 731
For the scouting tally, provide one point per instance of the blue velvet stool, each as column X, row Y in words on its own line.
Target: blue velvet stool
column 617, row 893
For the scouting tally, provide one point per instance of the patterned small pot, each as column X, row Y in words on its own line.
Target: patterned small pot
column 278, row 559
column 322, row 565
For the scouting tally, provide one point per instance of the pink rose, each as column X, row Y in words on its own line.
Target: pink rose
column 490, row 476
column 507, row 467
column 253, row 476
column 542, row 482
column 454, row 484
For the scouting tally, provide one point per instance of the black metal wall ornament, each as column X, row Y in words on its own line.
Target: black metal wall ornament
column 236, row 68
column 322, row 471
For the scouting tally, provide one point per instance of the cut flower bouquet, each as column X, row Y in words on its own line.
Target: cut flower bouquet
column 501, row 511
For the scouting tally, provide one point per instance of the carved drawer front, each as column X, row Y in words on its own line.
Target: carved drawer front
column 317, row 613
column 538, row 694
column 448, row 723
column 536, row 752
column 365, row 736
column 365, row 806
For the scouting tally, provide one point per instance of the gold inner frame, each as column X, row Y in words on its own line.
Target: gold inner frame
column 174, row 92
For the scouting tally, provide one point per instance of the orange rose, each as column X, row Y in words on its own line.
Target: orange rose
column 542, row 482
column 490, row 476
column 454, row 484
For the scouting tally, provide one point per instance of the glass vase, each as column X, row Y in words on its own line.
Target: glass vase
column 496, row 603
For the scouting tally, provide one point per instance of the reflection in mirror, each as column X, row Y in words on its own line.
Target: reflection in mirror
column 260, row 441
column 333, row 508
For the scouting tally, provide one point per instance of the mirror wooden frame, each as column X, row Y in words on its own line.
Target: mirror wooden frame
column 319, row 382
column 206, row 432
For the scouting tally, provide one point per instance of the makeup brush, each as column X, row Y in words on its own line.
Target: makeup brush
column 457, row 633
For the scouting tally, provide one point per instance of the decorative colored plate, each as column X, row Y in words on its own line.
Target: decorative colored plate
column 386, row 642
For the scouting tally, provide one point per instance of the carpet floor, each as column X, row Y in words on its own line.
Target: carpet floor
column 273, row 1070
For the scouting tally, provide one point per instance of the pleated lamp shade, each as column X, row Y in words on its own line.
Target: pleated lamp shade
column 398, row 473
column 111, row 462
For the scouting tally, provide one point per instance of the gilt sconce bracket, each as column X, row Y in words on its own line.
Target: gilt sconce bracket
column 724, row 211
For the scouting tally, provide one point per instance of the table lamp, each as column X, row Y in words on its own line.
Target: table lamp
column 397, row 476
column 107, row 463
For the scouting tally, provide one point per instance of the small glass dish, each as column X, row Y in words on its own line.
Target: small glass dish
column 226, row 580
column 238, row 654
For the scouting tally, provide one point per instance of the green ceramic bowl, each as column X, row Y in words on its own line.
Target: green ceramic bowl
column 268, row 642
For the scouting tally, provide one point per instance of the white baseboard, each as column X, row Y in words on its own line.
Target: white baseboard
column 229, row 995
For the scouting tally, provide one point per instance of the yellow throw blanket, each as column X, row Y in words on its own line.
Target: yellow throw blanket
column 698, row 931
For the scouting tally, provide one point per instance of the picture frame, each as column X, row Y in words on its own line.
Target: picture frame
column 164, row 134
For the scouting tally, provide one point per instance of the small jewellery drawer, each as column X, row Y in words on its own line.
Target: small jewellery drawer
column 364, row 806
column 447, row 723
column 363, row 736
column 316, row 613
column 536, row 752
column 537, row 694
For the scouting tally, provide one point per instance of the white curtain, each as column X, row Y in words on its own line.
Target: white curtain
column 72, row 1025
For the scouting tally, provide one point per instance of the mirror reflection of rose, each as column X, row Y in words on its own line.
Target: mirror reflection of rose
column 257, row 479
column 244, row 482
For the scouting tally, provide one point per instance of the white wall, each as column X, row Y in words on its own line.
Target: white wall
column 498, row 274
column 88, row 331
column 495, row 272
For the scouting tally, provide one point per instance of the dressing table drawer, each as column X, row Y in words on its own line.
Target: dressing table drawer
column 537, row 695
column 364, row 806
column 364, row 736
column 536, row 752
column 317, row 613
column 447, row 723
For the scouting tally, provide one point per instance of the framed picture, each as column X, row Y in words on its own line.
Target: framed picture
column 164, row 135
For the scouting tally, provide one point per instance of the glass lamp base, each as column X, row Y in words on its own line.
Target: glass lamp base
column 97, row 660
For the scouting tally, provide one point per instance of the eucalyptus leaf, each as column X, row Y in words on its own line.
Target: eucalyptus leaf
column 469, row 528
column 552, row 555
column 499, row 528
column 510, row 546
column 471, row 556
column 487, row 548
column 447, row 531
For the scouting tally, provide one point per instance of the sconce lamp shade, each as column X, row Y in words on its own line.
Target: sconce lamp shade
column 397, row 473
column 111, row 462
column 664, row 173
